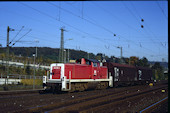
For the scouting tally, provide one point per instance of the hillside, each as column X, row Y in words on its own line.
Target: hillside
column 46, row 53
column 49, row 55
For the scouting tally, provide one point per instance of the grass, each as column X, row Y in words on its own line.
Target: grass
column 30, row 81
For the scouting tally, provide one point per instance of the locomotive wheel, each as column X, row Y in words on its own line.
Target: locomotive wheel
column 81, row 88
column 85, row 86
column 78, row 87
column 104, row 85
column 107, row 84
column 98, row 86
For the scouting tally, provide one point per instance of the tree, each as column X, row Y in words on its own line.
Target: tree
column 2, row 55
column 12, row 56
column 117, row 60
column 126, row 60
column 158, row 71
column 91, row 56
column 99, row 56
column 143, row 62
column 134, row 60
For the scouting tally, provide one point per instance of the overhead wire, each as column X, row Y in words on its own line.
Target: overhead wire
column 139, row 22
column 161, row 10
column 7, row 10
column 137, row 45
column 83, row 12
column 119, row 19
column 131, row 13
column 46, row 15
column 154, row 36
column 35, row 20
column 55, row 19
column 60, row 20
column 126, row 24
column 16, row 35
column 59, row 11
column 82, row 18
column 36, row 10
column 82, row 8
column 21, row 37
column 87, row 21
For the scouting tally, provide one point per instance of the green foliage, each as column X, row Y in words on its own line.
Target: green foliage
column 143, row 62
column 134, row 60
column 22, row 71
column 158, row 71
column 157, row 66
column 99, row 58
column 91, row 56
column 2, row 69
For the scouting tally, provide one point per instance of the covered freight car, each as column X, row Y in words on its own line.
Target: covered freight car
column 124, row 74
column 145, row 75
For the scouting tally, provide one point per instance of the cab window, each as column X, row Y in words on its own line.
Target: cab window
column 88, row 62
column 94, row 64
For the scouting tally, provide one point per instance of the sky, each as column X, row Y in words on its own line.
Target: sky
column 91, row 26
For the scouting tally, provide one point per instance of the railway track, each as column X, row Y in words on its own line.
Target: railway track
column 154, row 106
column 95, row 103
column 87, row 101
column 19, row 92
column 122, row 103
column 18, row 103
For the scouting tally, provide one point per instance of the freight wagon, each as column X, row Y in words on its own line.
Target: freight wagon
column 124, row 74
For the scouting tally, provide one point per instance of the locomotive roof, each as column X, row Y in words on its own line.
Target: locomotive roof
column 126, row 65
column 146, row 68
column 120, row 65
column 91, row 60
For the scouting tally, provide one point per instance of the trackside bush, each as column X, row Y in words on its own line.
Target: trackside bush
column 30, row 81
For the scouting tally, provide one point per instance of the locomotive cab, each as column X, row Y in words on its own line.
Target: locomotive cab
column 95, row 66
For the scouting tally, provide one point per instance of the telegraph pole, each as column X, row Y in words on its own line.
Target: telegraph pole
column 121, row 51
column 61, row 53
column 7, row 57
column 64, row 56
column 68, row 56
column 120, row 54
column 34, row 55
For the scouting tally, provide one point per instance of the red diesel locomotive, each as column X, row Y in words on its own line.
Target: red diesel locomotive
column 79, row 76
column 89, row 74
